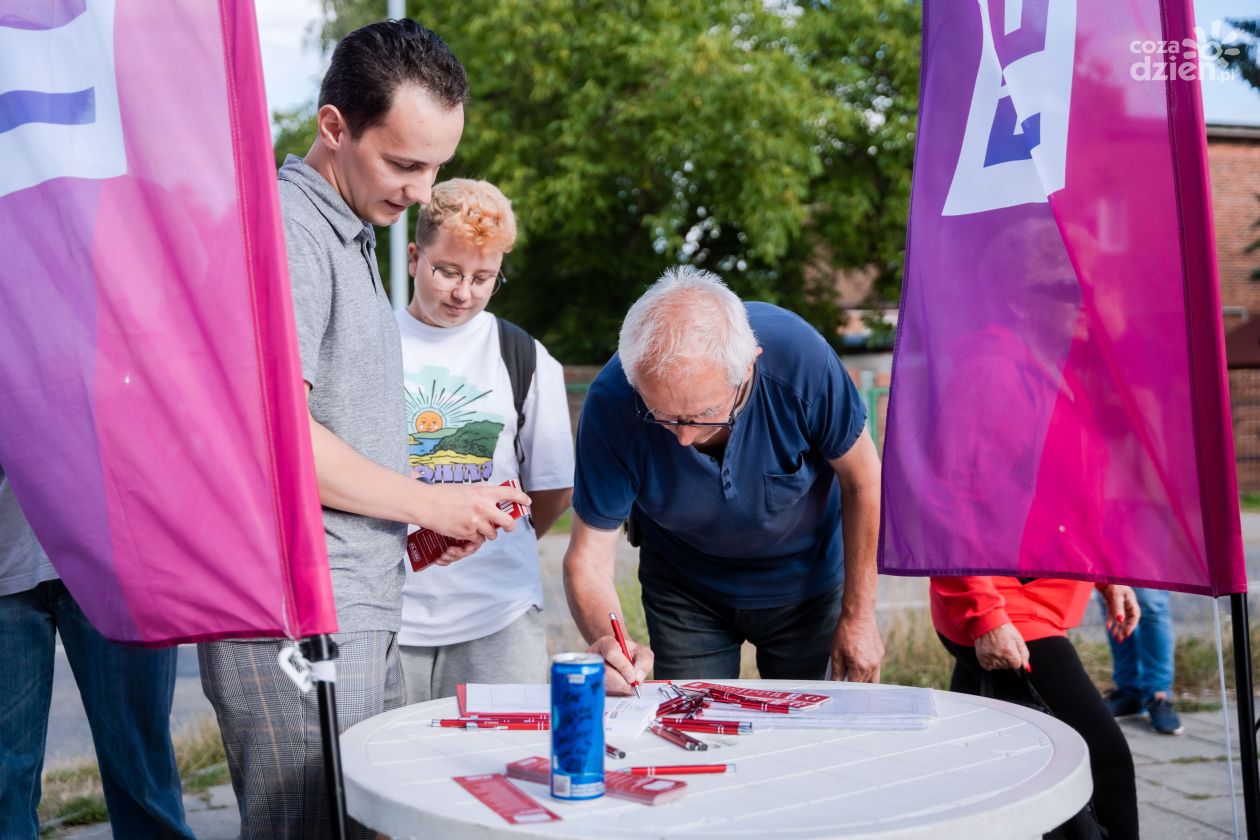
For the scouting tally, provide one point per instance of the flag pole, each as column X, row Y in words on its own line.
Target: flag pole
column 1246, row 712
column 321, row 652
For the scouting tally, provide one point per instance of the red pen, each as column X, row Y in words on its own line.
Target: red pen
column 681, row 769
column 540, row 717
column 757, row 705
column 621, row 640
column 675, row 736
column 717, row 727
column 680, row 706
column 463, row 723
column 613, row 752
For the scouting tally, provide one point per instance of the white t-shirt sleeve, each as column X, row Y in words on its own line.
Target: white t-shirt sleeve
column 548, row 435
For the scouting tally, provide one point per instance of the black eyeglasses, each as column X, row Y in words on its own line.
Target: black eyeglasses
column 447, row 278
column 646, row 415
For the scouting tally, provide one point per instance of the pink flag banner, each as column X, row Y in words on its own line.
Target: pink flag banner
column 1059, row 406
column 152, row 419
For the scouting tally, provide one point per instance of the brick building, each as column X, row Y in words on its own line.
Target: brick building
column 1234, row 163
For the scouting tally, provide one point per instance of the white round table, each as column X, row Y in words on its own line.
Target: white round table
column 982, row 769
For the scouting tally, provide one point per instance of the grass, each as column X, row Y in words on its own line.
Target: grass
column 564, row 524
column 1249, row 502
column 913, row 654
column 72, row 793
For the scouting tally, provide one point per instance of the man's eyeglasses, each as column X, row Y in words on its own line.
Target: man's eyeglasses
column 447, row 278
column 646, row 415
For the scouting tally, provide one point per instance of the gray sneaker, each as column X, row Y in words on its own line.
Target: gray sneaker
column 1164, row 717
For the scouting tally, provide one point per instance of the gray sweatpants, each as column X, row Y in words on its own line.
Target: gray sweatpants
column 515, row 654
column 271, row 729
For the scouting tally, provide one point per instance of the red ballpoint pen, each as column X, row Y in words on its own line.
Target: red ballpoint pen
column 462, row 723
column 621, row 640
column 613, row 752
column 756, row 705
column 680, row 769
column 717, row 727
column 675, row 736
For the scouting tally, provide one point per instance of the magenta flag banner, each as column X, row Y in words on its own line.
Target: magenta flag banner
column 1059, row 406
column 152, row 419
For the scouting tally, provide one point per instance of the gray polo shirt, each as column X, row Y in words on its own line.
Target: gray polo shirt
column 23, row 563
column 352, row 357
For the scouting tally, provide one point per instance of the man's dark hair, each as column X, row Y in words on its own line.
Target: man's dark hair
column 373, row 61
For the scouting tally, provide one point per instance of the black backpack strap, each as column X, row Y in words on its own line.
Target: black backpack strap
column 520, row 356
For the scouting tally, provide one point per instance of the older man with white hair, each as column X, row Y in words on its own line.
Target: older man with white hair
column 733, row 441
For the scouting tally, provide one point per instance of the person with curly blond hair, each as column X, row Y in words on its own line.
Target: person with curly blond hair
column 479, row 620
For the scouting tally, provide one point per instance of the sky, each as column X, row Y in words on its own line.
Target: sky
column 293, row 65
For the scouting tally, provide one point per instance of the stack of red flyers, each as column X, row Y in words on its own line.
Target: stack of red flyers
column 649, row 790
column 424, row 547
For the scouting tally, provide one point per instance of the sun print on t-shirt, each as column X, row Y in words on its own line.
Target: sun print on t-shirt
column 449, row 440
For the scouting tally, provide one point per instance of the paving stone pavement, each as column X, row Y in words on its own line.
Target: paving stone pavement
column 1183, row 781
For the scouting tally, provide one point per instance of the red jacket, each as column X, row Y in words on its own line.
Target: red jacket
column 965, row 608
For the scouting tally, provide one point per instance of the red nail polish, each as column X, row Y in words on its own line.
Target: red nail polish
column 1028, row 667
column 1120, row 617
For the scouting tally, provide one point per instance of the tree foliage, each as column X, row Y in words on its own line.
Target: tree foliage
column 770, row 142
column 1241, row 51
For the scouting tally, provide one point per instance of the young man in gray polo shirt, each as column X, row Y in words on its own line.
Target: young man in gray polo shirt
column 391, row 113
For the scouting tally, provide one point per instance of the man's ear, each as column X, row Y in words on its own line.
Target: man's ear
column 331, row 127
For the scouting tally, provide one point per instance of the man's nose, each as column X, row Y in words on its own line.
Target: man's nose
column 686, row 434
column 419, row 190
column 461, row 292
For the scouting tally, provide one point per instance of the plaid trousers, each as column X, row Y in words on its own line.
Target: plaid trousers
column 271, row 729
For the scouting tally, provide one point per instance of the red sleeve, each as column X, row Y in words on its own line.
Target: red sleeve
column 972, row 604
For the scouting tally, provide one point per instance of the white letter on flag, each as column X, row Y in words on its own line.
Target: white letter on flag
column 1014, row 149
column 59, row 113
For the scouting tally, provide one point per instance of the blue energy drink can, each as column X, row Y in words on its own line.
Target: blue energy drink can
column 577, row 726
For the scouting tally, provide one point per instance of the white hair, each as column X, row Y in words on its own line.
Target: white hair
column 687, row 316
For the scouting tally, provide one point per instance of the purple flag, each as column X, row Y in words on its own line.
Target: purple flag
column 152, row 418
column 1059, row 405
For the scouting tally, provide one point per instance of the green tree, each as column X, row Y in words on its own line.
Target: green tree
column 771, row 143
column 1241, row 50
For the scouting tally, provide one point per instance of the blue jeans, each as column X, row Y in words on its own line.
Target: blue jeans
column 694, row 635
column 1144, row 661
column 127, row 695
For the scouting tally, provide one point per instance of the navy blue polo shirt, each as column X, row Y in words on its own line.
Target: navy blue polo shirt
column 762, row 527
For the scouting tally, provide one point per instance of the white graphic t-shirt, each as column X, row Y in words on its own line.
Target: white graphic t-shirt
column 461, row 426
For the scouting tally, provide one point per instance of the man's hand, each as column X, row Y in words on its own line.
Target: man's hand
column 1123, row 611
column 621, row 672
column 468, row 511
column 455, row 553
column 1002, row 647
column 856, row 648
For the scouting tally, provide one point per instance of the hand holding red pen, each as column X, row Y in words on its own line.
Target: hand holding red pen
column 623, row 670
column 621, row 642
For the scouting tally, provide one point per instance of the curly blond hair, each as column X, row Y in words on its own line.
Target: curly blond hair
column 475, row 212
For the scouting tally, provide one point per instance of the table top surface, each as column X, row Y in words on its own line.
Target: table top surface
column 981, row 769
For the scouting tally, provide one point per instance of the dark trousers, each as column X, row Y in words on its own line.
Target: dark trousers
column 694, row 635
column 1060, row 679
